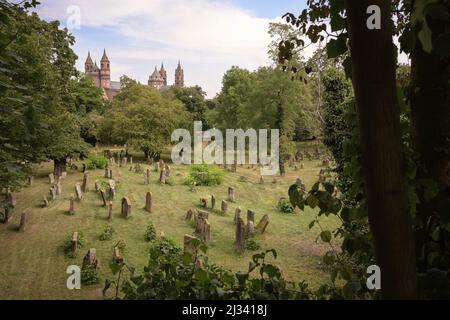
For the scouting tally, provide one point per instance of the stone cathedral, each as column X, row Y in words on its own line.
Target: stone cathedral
column 102, row 76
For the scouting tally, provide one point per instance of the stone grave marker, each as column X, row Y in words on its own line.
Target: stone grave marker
column 103, row 195
column 250, row 216
column 162, row 176
column 117, row 258
column 72, row 205
column 78, row 192
column 126, row 207
column 90, row 259
column 58, row 188
column 237, row 214
column 110, row 210
column 240, row 236
column 189, row 247
column 231, row 194
column 30, row 180
column 148, row 202
column 51, row 178
column 24, row 220
column 262, row 224
column 213, row 201
column 224, row 207
column 85, row 182
column 74, row 242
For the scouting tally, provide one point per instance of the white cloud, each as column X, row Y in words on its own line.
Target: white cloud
column 208, row 36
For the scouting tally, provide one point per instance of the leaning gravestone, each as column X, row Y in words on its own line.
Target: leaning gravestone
column 51, row 178
column 262, row 225
column 78, row 192
column 103, row 195
column 148, row 202
column 231, row 194
column 224, row 207
column 24, row 220
column 240, row 237
column 126, row 207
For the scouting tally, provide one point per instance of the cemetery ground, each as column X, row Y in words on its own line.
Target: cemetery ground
column 34, row 265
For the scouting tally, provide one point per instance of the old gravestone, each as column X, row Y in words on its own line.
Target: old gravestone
column 11, row 199
column 262, row 224
column 156, row 166
column 249, row 231
column 53, row 193
column 110, row 210
column 148, row 202
column 78, row 192
column 106, row 173
column 250, row 216
column 58, row 188
column 45, row 203
column 206, row 231
column 85, row 182
column 97, row 185
column 204, row 203
column 162, row 176
column 213, row 201
column 261, row 180
column 240, row 237
column 72, row 205
column 189, row 247
column 190, row 213
column 51, row 178
column 103, row 195
column 90, row 259
column 74, row 242
column 224, row 207
column 111, row 189
column 237, row 214
column 147, row 176
column 131, row 160
column 63, row 175
column 167, row 168
column 231, row 194
column 126, row 207
column 30, row 180
column 117, row 258
column 24, row 220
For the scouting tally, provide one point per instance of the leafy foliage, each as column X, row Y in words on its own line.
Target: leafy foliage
column 204, row 175
column 284, row 206
column 89, row 275
column 95, row 161
column 107, row 233
column 68, row 245
column 150, row 232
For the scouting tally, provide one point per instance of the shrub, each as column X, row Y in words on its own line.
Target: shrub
column 107, row 233
column 89, row 275
column 252, row 245
column 285, row 206
column 96, row 162
column 204, row 175
column 150, row 232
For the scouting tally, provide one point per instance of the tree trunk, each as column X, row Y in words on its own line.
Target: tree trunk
column 430, row 110
column 280, row 126
column 373, row 64
column 60, row 166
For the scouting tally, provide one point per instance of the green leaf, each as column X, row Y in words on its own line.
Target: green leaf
column 337, row 23
column 312, row 201
column 115, row 268
column 325, row 236
column 336, row 47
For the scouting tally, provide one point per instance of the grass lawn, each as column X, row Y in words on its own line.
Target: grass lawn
column 34, row 266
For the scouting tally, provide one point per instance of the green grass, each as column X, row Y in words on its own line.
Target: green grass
column 33, row 263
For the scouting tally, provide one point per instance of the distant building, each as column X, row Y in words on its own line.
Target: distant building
column 102, row 76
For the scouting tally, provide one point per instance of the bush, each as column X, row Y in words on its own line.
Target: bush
column 204, row 175
column 96, row 162
column 284, row 206
column 252, row 245
column 89, row 275
column 150, row 233
column 107, row 233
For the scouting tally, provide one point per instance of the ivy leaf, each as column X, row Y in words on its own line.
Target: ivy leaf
column 336, row 47
column 325, row 236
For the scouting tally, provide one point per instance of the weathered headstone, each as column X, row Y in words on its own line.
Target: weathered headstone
column 58, row 188
column 85, row 182
column 131, row 160
column 53, row 193
column 64, row 175
column 72, row 205
column 162, row 176
column 213, row 201
column 46, row 204
column 30, row 180
column 124, row 162
column 8, row 213
column 148, row 202
column 24, row 220
column 240, row 236
column 117, row 258
column 167, row 168
column 126, row 207
column 103, row 195
column 11, row 199
column 97, row 185
column 106, row 173
column 237, row 214
column 78, row 192
column 156, row 166
column 249, row 230
column 90, row 259
column 261, row 180
column 51, row 178
column 262, row 224
column 189, row 247
column 110, row 210
column 204, row 203
column 74, row 242
column 190, row 213
column 111, row 189
column 231, row 194
column 206, row 231
column 250, row 216
column 147, row 176
column 224, row 207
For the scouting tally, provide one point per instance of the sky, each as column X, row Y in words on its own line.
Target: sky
column 207, row 36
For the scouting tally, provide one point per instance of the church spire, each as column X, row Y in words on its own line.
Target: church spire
column 104, row 57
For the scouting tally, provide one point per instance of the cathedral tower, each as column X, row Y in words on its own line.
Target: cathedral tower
column 156, row 80
column 105, row 71
column 179, row 76
column 163, row 73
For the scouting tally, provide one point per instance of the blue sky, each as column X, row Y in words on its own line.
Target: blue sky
column 208, row 36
